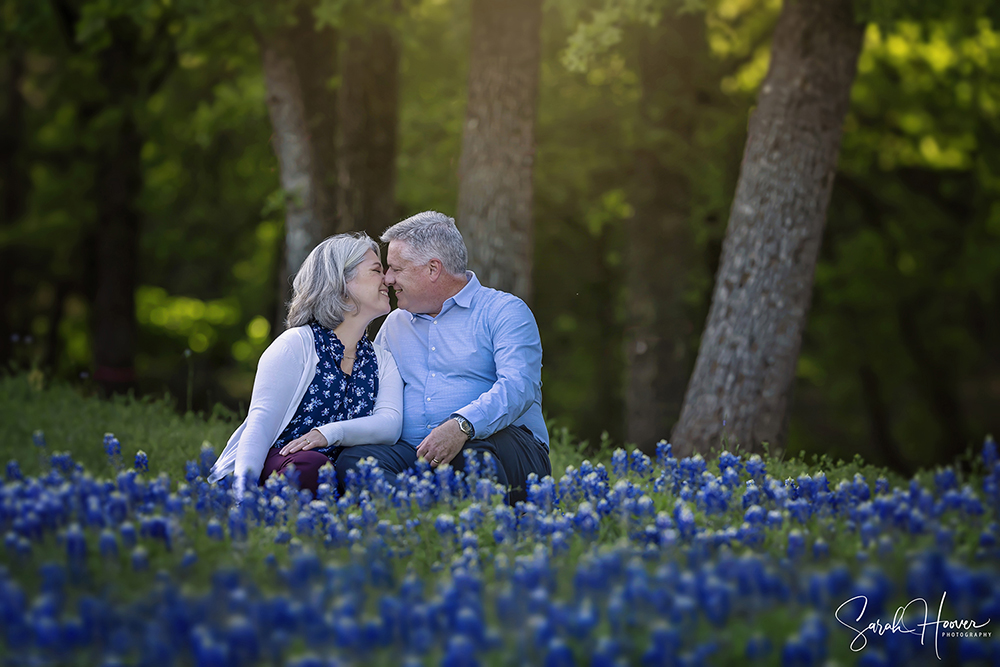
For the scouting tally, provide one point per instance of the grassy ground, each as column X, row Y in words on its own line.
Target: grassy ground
column 74, row 422
column 77, row 423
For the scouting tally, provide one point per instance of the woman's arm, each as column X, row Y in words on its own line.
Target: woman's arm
column 385, row 423
column 278, row 374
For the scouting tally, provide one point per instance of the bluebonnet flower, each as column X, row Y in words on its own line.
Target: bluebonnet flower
column 757, row 647
column 640, row 464
column 206, row 459
column 796, row 544
column 445, row 525
column 664, row 451
column 728, row 460
column 113, row 450
column 684, row 519
column 559, row 654
column 730, row 478
column 38, row 438
column 214, row 529
column 752, row 494
column 800, row 510
column 691, row 468
column 127, row 531
column 140, row 559
column 945, row 480
column 756, row 467
column 141, row 461
column 990, row 456
column 76, row 546
column 619, row 462
column 238, row 530
column 107, row 544
column 713, row 497
column 14, row 471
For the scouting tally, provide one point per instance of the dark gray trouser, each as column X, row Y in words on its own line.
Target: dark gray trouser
column 392, row 459
column 518, row 454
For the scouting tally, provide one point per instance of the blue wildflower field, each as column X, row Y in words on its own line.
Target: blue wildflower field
column 631, row 561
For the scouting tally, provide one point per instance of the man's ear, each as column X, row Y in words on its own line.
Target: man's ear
column 434, row 267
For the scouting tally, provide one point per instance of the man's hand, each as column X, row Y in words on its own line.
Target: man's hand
column 442, row 444
column 311, row 440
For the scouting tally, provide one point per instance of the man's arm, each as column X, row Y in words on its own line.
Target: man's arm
column 517, row 354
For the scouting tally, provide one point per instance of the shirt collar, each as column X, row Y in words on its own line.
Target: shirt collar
column 465, row 295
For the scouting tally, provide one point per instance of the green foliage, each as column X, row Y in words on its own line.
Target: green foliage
column 911, row 242
column 76, row 423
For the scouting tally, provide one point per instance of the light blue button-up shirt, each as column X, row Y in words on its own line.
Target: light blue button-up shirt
column 480, row 357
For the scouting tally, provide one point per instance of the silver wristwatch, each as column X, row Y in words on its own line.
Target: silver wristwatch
column 465, row 425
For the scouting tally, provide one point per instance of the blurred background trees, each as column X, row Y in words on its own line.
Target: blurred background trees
column 141, row 142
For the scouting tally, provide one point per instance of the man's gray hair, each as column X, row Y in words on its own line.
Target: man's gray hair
column 319, row 291
column 431, row 235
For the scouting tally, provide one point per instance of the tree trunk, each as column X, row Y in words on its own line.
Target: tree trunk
column 741, row 386
column 679, row 82
column 316, row 60
column 889, row 451
column 14, row 190
column 369, row 112
column 936, row 382
column 300, row 178
column 119, row 183
column 498, row 150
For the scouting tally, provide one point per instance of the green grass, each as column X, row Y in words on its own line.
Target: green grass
column 77, row 423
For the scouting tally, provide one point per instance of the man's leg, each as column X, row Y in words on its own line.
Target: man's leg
column 521, row 454
column 392, row 459
column 478, row 448
column 517, row 454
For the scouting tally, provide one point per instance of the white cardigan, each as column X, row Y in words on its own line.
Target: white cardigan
column 284, row 372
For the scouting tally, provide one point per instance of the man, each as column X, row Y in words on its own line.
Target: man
column 470, row 356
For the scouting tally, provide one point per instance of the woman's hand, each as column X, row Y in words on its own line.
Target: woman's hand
column 311, row 440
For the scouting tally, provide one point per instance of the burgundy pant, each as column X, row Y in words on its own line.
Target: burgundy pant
column 307, row 464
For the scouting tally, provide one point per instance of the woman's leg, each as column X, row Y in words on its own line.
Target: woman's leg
column 307, row 464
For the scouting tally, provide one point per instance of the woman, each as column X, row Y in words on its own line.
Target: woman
column 321, row 386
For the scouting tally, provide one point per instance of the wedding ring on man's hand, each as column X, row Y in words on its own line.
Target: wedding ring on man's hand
column 435, row 461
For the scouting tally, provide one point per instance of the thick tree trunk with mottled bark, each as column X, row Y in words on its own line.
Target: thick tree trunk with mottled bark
column 13, row 186
column 315, row 52
column 300, row 173
column 369, row 113
column 498, row 143
column 679, row 82
column 743, row 377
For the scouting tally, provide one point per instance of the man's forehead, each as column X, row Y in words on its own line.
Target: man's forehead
column 397, row 252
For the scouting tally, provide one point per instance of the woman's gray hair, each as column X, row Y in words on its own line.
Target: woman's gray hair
column 431, row 235
column 319, row 291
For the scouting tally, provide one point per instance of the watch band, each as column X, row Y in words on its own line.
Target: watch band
column 467, row 428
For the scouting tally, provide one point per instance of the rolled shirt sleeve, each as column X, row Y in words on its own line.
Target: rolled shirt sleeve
column 517, row 353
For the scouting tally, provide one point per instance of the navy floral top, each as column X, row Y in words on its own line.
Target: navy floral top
column 333, row 395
